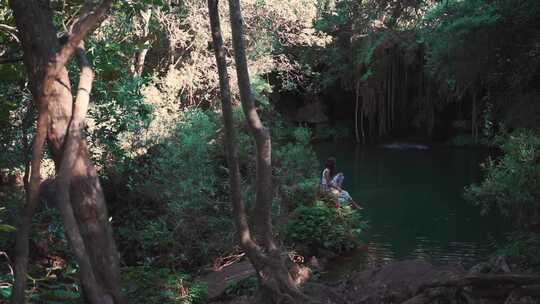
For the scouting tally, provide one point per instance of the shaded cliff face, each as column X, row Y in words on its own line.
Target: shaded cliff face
column 388, row 96
column 452, row 67
column 393, row 93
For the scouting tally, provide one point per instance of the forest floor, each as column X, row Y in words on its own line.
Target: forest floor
column 411, row 282
column 218, row 280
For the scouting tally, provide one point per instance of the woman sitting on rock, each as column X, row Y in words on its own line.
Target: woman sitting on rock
column 331, row 183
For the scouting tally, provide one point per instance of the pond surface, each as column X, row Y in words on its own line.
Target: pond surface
column 413, row 201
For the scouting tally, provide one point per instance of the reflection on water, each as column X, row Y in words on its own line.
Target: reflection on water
column 413, row 202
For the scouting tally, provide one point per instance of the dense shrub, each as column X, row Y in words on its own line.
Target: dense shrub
column 6, row 278
column 244, row 287
column 172, row 213
column 512, row 183
column 175, row 208
column 522, row 249
column 296, row 160
column 323, row 227
column 296, row 168
column 11, row 196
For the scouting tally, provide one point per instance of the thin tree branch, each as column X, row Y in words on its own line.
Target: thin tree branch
column 86, row 24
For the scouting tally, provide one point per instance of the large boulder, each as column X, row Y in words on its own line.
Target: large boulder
column 396, row 282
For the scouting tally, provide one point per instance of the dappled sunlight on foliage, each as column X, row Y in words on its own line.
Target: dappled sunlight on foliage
column 180, row 182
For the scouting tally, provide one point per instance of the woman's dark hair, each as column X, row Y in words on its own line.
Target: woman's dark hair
column 330, row 163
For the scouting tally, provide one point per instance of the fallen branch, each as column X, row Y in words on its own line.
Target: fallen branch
column 223, row 262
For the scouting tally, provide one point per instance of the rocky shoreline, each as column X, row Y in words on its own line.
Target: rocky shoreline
column 418, row 282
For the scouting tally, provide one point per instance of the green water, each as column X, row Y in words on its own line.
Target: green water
column 413, row 202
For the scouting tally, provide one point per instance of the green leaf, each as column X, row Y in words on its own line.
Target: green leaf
column 5, row 293
column 7, row 228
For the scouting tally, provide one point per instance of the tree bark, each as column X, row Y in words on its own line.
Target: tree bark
column 144, row 38
column 32, row 203
column 276, row 284
column 231, row 146
column 45, row 61
column 356, row 109
column 474, row 124
column 93, row 291
column 261, row 135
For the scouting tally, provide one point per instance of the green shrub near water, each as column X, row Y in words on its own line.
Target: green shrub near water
column 523, row 247
column 323, row 227
column 296, row 168
column 512, row 183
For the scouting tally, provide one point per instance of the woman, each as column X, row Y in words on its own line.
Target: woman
column 327, row 174
column 332, row 182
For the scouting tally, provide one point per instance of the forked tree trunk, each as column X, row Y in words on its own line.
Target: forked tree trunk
column 276, row 284
column 264, row 187
column 87, row 225
column 93, row 291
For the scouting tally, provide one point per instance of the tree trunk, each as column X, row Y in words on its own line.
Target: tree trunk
column 276, row 284
column 144, row 37
column 93, row 291
column 474, row 124
column 45, row 61
column 357, row 97
column 261, row 135
column 32, row 202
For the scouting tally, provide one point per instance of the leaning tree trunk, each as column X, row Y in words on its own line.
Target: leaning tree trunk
column 93, row 291
column 261, row 135
column 45, row 60
column 276, row 284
